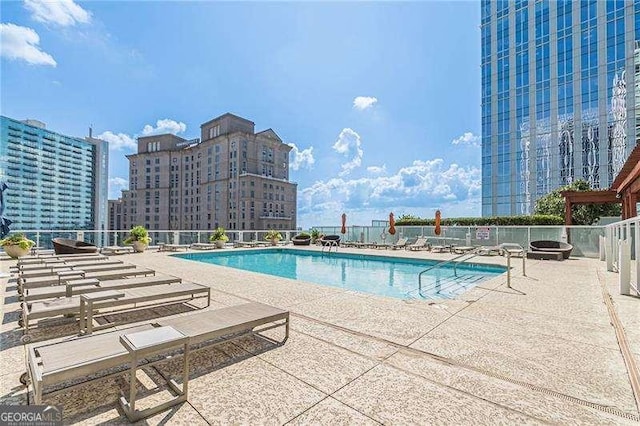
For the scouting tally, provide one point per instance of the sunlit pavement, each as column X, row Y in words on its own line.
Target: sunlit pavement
column 543, row 351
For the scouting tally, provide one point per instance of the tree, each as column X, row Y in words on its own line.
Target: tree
column 584, row 214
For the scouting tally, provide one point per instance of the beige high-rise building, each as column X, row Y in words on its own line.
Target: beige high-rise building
column 230, row 177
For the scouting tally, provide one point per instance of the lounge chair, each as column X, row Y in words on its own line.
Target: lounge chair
column 420, row 244
column 462, row 249
column 489, row 250
column 68, row 246
column 401, row 243
column 92, row 285
column 251, row 244
column 176, row 247
column 52, row 270
column 62, row 277
column 552, row 246
column 137, row 297
column 60, row 264
column 70, row 363
column 117, row 250
column 68, row 257
column 203, row 246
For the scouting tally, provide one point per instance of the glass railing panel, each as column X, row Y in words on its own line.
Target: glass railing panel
column 585, row 240
column 553, row 233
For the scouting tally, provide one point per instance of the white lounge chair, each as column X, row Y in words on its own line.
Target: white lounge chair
column 68, row 257
column 91, row 285
column 110, row 250
column 60, row 264
column 69, row 363
column 176, row 247
column 62, row 277
column 52, row 270
column 203, row 246
column 420, row 244
column 401, row 243
column 136, row 297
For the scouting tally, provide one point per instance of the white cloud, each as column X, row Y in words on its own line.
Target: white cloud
column 120, row 141
column 301, row 158
column 468, row 139
column 164, row 126
column 418, row 189
column 377, row 170
column 116, row 185
column 349, row 145
column 364, row 102
column 64, row 13
column 18, row 42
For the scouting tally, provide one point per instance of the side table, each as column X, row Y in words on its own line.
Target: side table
column 152, row 342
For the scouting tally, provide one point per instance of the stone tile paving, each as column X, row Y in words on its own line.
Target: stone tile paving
column 627, row 308
column 541, row 352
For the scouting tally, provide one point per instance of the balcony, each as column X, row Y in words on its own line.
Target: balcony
column 274, row 216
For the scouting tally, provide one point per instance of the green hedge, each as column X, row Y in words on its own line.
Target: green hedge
column 488, row 221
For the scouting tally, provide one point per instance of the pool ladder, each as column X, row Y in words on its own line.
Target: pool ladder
column 456, row 261
column 330, row 243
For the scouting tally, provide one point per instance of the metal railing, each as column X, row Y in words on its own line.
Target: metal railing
column 43, row 237
column 620, row 248
column 509, row 249
column 328, row 244
column 584, row 239
column 455, row 262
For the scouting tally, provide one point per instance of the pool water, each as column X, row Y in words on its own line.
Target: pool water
column 381, row 275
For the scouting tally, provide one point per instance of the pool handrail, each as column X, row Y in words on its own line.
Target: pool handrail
column 329, row 244
column 455, row 261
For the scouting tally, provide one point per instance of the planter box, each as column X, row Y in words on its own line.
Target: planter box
column 15, row 251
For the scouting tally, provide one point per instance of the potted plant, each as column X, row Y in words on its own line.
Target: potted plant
column 16, row 245
column 219, row 237
column 315, row 235
column 273, row 236
column 139, row 238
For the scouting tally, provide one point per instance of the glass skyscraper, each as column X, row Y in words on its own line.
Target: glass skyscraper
column 559, row 96
column 52, row 181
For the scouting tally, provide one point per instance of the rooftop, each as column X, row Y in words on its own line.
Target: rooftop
column 543, row 351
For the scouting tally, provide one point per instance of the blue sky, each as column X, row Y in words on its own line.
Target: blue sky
column 381, row 101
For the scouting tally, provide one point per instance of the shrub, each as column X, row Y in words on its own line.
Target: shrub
column 138, row 233
column 17, row 240
column 487, row 221
column 272, row 234
column 219, row 235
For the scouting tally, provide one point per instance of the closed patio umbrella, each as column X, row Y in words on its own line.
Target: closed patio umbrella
column 343, row 230
column 437, row 230
column 392, row 224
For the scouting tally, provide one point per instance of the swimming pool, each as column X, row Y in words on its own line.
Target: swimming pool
column 382, row 275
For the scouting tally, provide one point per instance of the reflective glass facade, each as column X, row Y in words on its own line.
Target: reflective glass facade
column 559, row 96
column 53, row 181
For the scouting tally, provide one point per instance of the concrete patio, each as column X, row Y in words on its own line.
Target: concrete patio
column 541, row 352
